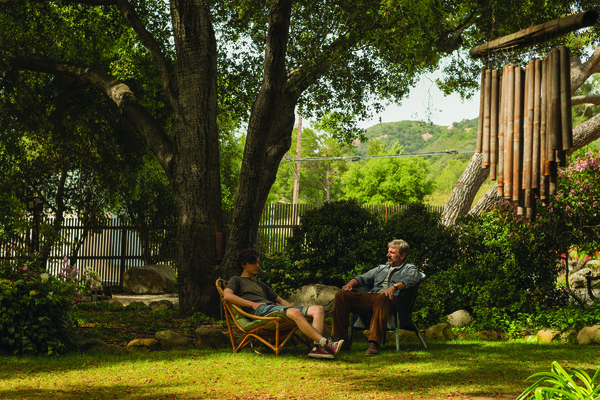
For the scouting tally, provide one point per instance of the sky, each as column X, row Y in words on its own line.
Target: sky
column 426, row 102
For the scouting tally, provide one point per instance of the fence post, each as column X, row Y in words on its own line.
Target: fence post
column 123, row 253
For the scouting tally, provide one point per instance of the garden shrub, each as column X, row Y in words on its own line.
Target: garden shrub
column 506, row 265
column 36, row 308
column 333, row 243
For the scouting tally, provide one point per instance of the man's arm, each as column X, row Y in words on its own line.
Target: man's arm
column 231, row 297
column 406, row 278
column 282, row 302
column 350, row 285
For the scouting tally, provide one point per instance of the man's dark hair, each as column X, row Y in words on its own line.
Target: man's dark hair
column 248, row 256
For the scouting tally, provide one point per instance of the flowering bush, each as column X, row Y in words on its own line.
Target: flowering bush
column 576, row 205
column 36, row 307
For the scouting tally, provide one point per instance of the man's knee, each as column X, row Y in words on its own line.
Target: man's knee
column 315, row 311
column 294, row 313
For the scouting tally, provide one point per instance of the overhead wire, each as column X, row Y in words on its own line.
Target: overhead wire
column 360, row 158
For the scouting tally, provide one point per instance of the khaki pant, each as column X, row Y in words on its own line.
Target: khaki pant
column 362, row 303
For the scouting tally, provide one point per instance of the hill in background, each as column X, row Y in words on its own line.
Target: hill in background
column 419, row 137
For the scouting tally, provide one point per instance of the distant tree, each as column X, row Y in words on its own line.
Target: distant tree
column 320, row 178
column 397, row 180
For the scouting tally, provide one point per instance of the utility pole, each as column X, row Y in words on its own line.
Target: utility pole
column 296, row 194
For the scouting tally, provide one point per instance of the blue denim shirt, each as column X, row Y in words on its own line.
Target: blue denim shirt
column 373, row 280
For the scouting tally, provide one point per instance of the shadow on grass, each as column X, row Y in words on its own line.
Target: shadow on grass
column 445, row 370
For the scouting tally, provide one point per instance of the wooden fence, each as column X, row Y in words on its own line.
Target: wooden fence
column 114, row 245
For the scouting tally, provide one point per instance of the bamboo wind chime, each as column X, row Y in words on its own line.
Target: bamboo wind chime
column 525, row 127
column 525, row 122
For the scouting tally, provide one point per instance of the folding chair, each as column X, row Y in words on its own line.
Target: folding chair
column 401, row 319
column 273, row 326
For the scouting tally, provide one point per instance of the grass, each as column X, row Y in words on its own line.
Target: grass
column 452, row 370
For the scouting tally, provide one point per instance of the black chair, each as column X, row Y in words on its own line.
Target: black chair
column 401, row 319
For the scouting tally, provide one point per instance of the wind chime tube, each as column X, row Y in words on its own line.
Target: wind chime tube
column 485, row 161
column 536, row 140
column 544, row 165
column 508, row 136
column 501, row 128
column 550, row 119
column 554, row 122
column 494, row 125
column 565, row 98
column 528, row 135
column 479, row 146
column 518, row 134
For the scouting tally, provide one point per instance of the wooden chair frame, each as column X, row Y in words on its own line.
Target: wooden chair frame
column 277, row 328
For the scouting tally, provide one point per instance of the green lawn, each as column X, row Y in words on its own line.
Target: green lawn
column 454, row 370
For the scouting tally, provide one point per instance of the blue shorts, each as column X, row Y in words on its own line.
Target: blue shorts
column 266, row 309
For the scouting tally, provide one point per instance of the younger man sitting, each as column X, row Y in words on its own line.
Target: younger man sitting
column 257, row 298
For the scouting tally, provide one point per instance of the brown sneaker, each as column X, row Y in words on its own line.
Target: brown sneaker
column 373, row 349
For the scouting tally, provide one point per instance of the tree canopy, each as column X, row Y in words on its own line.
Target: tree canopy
column 178, row 74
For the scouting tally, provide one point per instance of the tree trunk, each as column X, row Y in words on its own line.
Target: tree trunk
column 268, row 138
column 196, row 180
column 465, row 190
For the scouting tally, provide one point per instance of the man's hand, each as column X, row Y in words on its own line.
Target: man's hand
column 347, row 288
column 255, row 305
column 389, row 292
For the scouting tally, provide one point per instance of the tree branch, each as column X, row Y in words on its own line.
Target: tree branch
column 155, row 51
column 580, row 72
column 115, row 90
column 589, row 99
column 145, row 37
column 300, row 79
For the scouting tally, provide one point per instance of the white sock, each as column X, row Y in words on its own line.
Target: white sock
column 323, row 341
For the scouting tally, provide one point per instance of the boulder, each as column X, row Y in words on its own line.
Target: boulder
column 211, row 338
column 137, row 345
column 137, row 304
column 91, row 346
column 589, row 335
column 460, row 318
column 577, row 279
column 162, row 304
column 441, row 331
column 170, row 339
column 317, row 294
column 149, row 279
column 548, row 335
